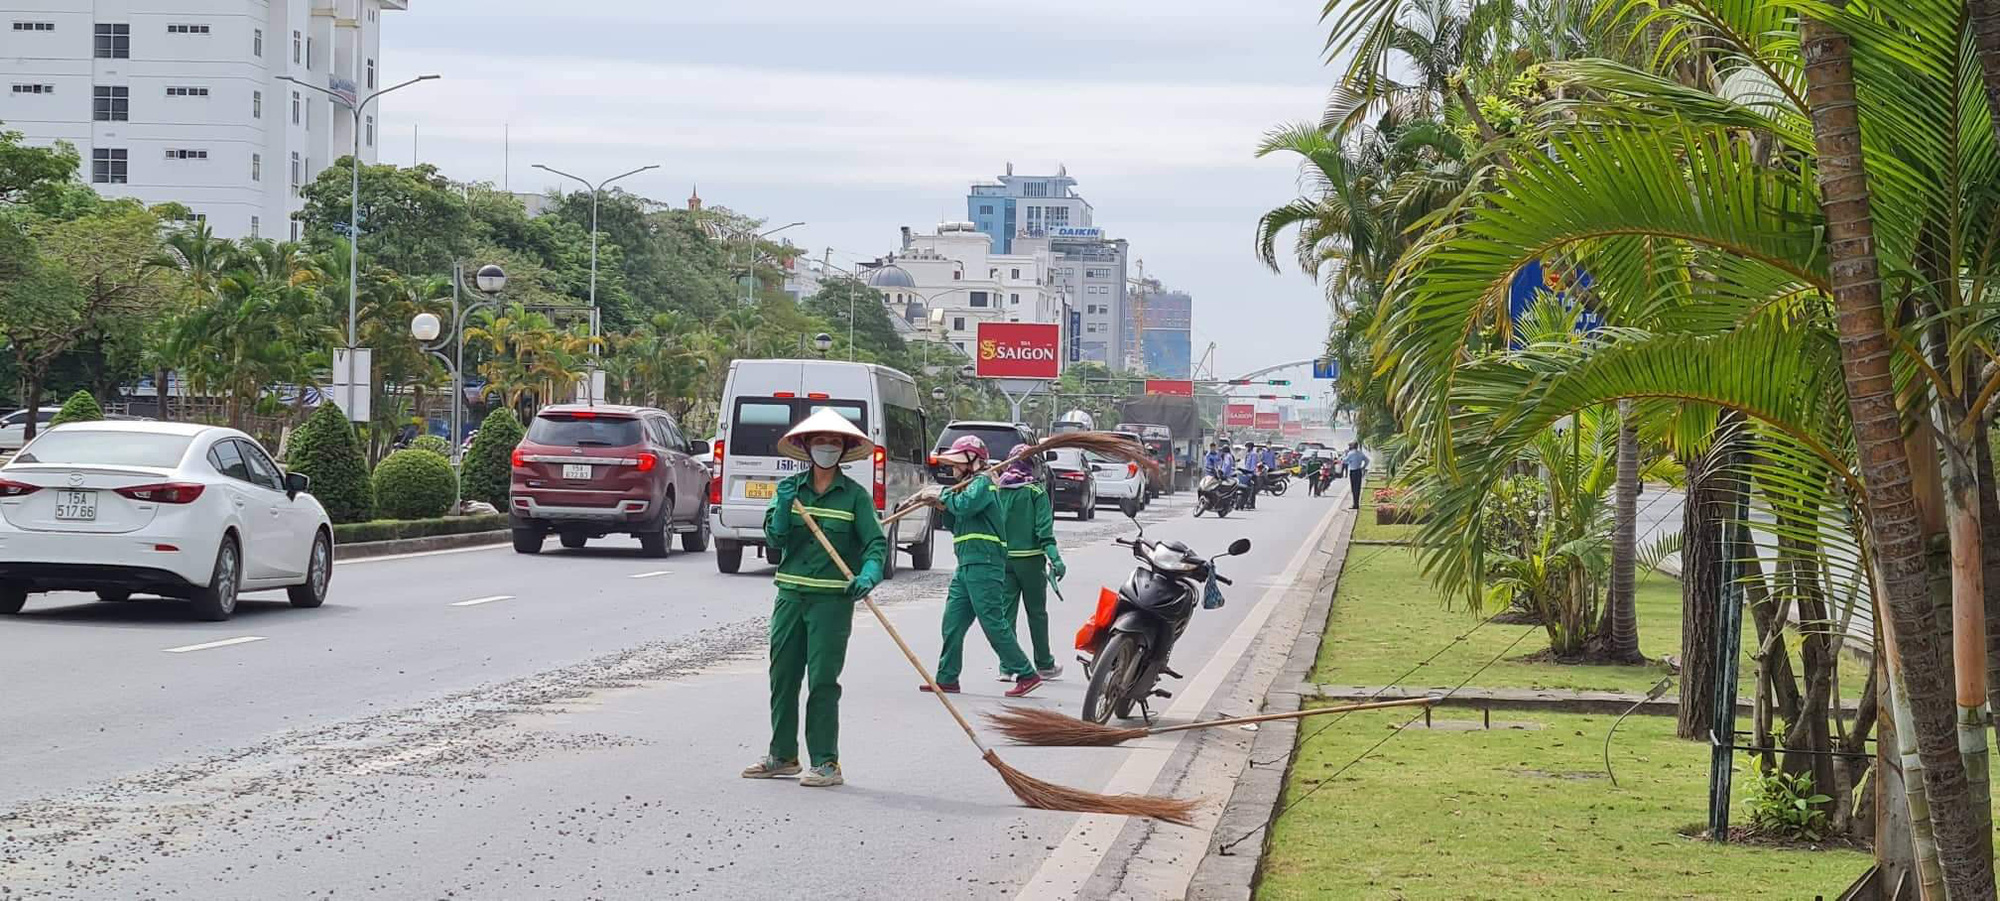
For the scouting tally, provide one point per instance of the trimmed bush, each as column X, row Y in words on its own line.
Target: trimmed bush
column 488, row 467
column 434, row 444
column 326, row 451
column 392, row 529
column 80, row 407
column 414, row 484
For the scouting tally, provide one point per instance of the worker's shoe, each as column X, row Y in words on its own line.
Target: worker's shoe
column 950, row 688
column 822, row 776
column 1003, row 676
column 1052, row 673
column 1025, row 684
column 771, row 768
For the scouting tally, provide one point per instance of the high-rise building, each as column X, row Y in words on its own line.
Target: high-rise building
column 946, row 283
column 180, row 100
column 1033, row 206
column 1158, row 326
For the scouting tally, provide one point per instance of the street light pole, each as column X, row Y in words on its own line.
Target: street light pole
column 595, row 189
column 750, row 269
column 354, row 109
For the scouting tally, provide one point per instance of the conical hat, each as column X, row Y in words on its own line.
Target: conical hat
column 825, row 422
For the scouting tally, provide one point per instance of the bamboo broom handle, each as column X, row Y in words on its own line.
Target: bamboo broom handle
column 908, row 509
column 1296, row 714
column 800, row 509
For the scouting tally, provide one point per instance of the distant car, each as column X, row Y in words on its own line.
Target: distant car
column 14, row 426
column 1072, row 486
column 587, row 471
column 173, row 509
column 1000, row 437
column 1119, row 482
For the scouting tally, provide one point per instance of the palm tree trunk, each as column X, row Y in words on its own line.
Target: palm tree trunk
column 1701, row 534
column 1896, row 532
column 160, row 386
column 1989, row 546
column 1622, row 642
column 31, row 396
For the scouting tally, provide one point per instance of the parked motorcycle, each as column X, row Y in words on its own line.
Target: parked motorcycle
column 1277, row 480
column 1215, row 494
column 1132, row 635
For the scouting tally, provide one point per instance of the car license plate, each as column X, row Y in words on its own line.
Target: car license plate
column 76, row 506
column 760, row 489
column 576, row 470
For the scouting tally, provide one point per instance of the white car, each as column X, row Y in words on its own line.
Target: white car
column 1119, row 483
column 173, row 509
column 14, row 426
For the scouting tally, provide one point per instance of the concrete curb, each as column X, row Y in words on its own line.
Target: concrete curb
column 393, row 546
column 1232, row 875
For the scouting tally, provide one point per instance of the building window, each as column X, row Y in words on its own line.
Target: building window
column 256, row 167
column 187, row 29
column 371, row 75
column 309, row 52
column 191, row 220
column 114, row 41
column 107, row 167
column 1035, row 189
column 371, row 131
column 34, row 26
column 257, row 42
column 295, row 174
column 955, row 276
column 1014, row 299
column 958, row 323
column 176, row 154
column 1016, row 273
column 298, row 42
column 256, row 104
column 111, row 104
column 309, row 116
column 986, row 209
column 187, row 92
column 34, row 89
column 295, row 230
column 295, row 107
column 254, row 226
column 978, row 298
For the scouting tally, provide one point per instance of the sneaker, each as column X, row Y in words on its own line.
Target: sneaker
column 950, row 688
column 771, row 768
column 1051, row 674
column 1025, row 684
column 822, row 776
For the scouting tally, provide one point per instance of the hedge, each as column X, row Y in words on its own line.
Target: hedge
column 414, row 484
column 391, row 529
column 81, row 407
column 487, row 472
column 326, row 451
column 434, row 444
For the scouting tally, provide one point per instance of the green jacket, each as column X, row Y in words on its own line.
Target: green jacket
column 846, row 513
column 973, row 516
column 1028, row 522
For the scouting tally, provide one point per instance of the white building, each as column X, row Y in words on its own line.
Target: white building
column 948, row 282
column 179, row 100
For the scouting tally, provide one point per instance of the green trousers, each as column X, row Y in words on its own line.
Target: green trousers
column 978, row 592
column 1027, row 586
column 808, row 641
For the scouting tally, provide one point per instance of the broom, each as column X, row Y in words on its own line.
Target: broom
column 1104, row 444
column 1032, row 792
column 1037, row 726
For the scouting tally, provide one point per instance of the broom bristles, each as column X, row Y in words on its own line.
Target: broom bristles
column 1105, row 444
column 1049, row 796
column 1039, row 726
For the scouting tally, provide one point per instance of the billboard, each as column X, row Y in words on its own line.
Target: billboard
column 1294, row 428
column 1182, row 387
column 1019, row 350
column 1239, row 416
column 1267, row 422
column 1168, row 352
column 1083, row 232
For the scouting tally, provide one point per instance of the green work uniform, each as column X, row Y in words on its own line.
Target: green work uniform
column 1028, row 526
column 814, row 614
column 978, row 588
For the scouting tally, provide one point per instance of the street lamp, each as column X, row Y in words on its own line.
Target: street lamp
column 354, row 189
column 750, row 270
column 824, row 342
column 429, row 332
column 595, row 190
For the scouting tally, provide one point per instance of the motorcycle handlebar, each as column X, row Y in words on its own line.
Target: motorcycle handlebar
column 1223, row 579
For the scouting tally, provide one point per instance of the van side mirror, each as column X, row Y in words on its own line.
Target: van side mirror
column 700, row 448
column 297, row 483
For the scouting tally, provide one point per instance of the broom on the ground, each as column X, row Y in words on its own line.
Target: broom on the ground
column 1037, row 726
column 1105, row 444
column 1032, row 792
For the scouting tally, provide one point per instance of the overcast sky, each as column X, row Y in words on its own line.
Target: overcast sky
column 859, row 116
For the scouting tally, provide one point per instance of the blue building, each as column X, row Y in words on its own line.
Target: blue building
column 1034, row 206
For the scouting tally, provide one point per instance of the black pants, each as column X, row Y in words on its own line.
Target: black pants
column 1354, row 479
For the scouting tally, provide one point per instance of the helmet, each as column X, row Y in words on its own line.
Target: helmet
column 967, row 449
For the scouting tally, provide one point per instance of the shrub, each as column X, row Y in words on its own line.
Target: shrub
column 1786, row 807
column 326, row 451
column 80, row 407
column 434, row 444
column 391, row 529
column 488, row 467
column 414, row 484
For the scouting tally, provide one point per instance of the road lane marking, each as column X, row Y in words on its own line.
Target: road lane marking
column 242, row 639
column 657, row 572
column 487, row 600
column 1077, row 856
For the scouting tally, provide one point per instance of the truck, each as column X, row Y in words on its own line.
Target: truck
column 1171, row 427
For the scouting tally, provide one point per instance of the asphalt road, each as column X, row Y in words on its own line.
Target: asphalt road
column 480, row 724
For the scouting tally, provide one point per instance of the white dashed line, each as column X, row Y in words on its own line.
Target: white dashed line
column 477, row 601
column 657, row 572
column 244, row 639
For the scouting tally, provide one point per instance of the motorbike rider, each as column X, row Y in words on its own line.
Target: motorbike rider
column 1268, row 464
column 1208, row 462
column 1247, row 479
column 978, row 588
column 1028, row 525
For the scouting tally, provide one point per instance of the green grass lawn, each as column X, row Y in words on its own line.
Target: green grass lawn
column 1520, row 813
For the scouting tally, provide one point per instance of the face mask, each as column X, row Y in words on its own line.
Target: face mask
column 826, row 456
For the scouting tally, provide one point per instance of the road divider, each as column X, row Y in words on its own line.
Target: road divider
column 206, row 645
column 485, row 600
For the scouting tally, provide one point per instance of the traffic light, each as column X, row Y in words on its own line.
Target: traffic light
column 1302, row 397
column 1267, row 397
column 1239, row 383
column 1284, row 382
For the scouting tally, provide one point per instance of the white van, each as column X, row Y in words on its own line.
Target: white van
column 763, row 399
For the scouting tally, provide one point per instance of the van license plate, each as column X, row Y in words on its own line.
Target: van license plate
column 759, row 489
column 576, row 470
column 76, row 506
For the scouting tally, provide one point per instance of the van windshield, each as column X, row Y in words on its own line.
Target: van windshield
column 759, row 422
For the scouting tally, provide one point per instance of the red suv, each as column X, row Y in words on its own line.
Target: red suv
column 585, row 472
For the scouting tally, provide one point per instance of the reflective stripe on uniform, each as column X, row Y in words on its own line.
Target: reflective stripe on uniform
column 827, row 513
column 1032, row 552
column 977, row 536
column 810, row 582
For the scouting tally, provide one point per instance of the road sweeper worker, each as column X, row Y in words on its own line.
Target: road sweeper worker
column 978, row 588
column 1028, row 525
column 814, row 613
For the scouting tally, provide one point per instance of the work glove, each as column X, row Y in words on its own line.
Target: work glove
column 932, row 495
column 865, row 580
column 1056, row 567
column 787, row 491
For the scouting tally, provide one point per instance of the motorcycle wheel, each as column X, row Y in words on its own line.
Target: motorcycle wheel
column 1222, row 512
column 1111, row 678
column 1200, row 504
column 1278, row 488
